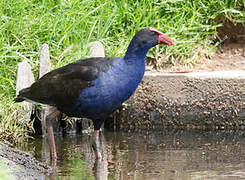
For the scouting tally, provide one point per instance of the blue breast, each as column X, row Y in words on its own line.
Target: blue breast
column 111, row 89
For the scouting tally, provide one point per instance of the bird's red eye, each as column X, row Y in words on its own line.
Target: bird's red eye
column 153, row 34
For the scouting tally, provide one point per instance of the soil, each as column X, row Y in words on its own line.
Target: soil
column 22, row 165
column 228, row 57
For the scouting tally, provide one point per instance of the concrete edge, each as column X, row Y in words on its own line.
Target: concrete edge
column 209, row 74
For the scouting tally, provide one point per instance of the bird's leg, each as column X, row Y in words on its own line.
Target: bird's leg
column 96, row 144
column 52, row 142
column 49, row 120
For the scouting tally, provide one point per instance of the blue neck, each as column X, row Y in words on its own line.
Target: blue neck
column 135, row 52
column 135, row 60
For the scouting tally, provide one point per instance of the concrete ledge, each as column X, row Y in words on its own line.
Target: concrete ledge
column 185, row 100
column 204, row 75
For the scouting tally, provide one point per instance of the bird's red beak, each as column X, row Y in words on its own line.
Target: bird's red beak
column 162, row 39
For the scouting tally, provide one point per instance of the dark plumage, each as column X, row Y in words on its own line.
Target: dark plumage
column 95, row 87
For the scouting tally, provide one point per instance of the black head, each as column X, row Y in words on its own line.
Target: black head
column 145, row 39
column 149, row 37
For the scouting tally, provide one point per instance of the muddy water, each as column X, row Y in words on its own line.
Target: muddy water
column 170, row 155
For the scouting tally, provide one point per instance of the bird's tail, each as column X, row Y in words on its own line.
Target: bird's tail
column 21, row 97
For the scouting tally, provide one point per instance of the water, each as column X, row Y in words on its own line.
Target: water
column 170, row 155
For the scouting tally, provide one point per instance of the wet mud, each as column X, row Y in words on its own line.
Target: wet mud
column 22, row 165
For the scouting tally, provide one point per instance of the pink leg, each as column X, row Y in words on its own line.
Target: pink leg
column 52, row 143
column 49, row 119
column 96, row 144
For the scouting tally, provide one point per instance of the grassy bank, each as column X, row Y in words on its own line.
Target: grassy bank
column 69, row 25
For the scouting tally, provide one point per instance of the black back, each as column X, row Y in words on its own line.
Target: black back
column 62, row 87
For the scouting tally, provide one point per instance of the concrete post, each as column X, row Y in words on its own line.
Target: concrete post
column 24, row 79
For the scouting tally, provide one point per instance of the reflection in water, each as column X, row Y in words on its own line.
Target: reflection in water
column 151, row 155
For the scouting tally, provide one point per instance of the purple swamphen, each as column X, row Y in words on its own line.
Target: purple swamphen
column 94, row 87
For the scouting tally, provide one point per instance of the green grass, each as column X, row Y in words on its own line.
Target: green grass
column 26, row 24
